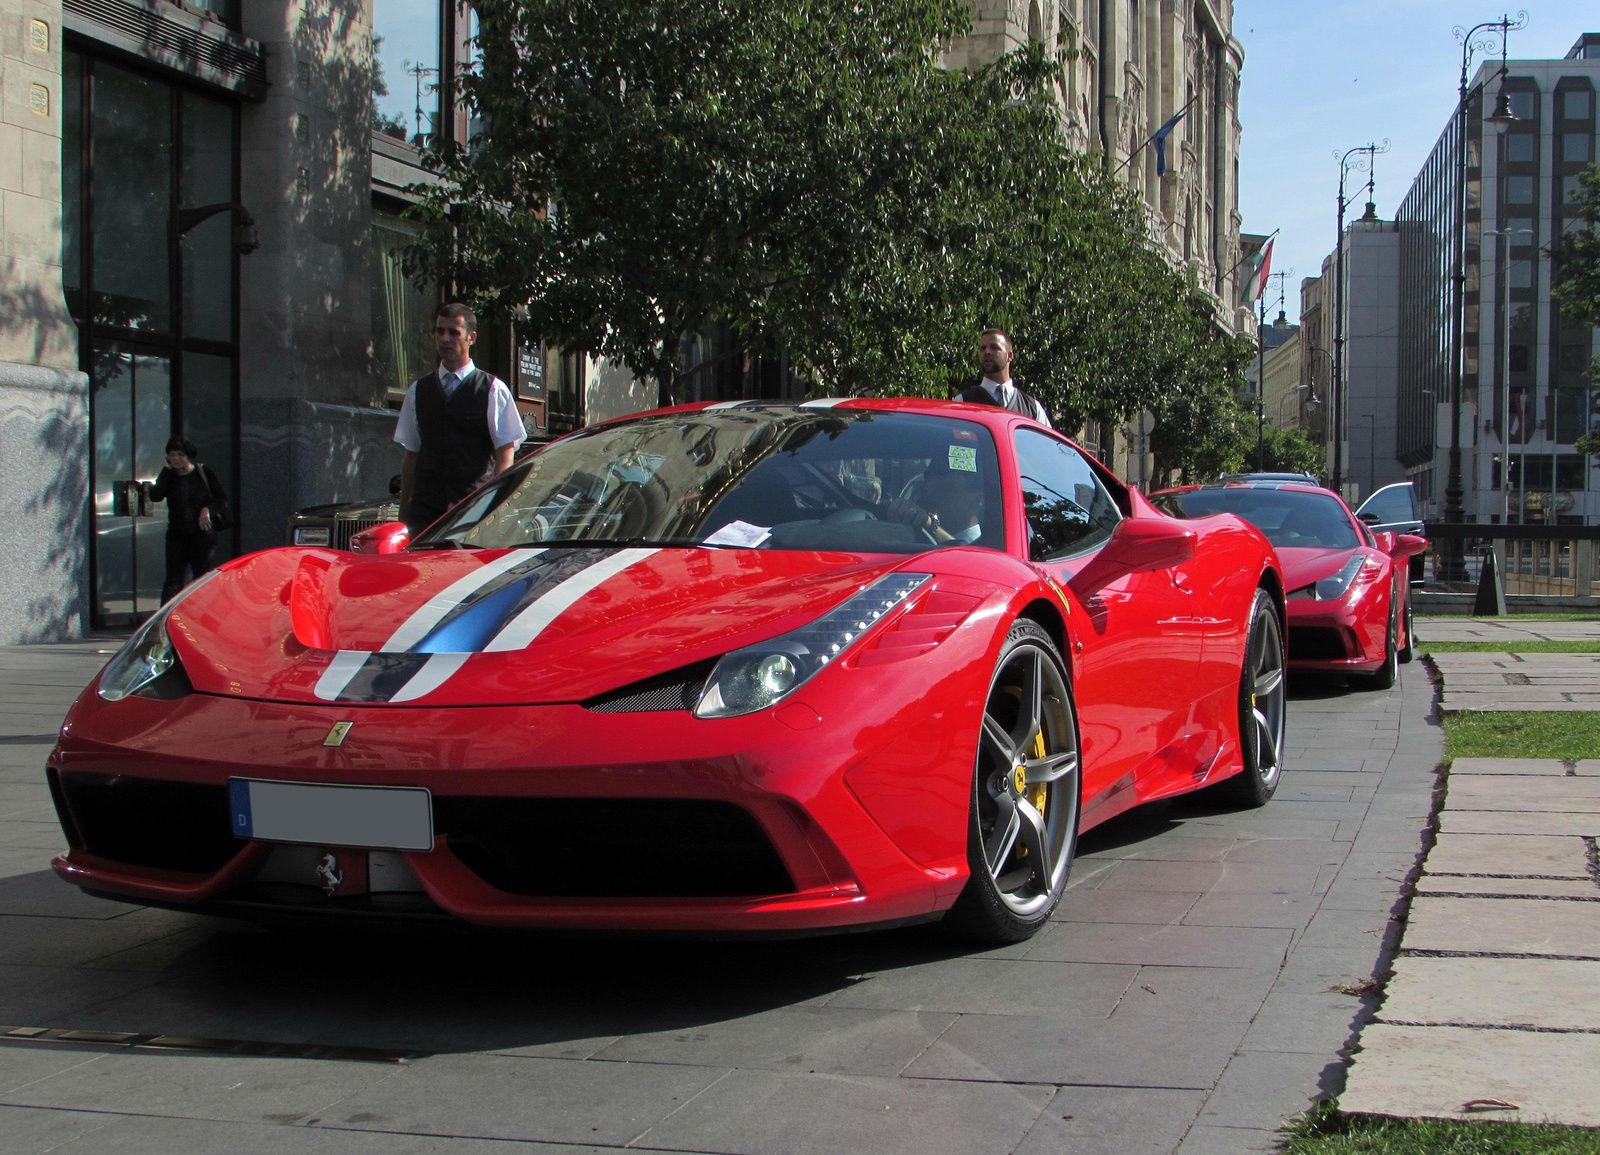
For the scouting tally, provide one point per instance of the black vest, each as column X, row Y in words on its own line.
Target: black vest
column 1021, row 402
column 456, row 444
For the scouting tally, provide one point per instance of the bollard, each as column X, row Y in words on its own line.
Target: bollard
column 1491, row 599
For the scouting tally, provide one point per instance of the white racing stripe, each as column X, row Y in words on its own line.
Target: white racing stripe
column 346, row 664
column 531, row 622
column 723, row 405
column 433, row 611
column 825, row 402
column 433, row 674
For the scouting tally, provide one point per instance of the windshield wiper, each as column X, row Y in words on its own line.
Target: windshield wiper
column 444, row 543
column 629, row 543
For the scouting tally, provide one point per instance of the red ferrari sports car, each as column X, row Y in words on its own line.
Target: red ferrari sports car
column 751, row 667
column 1349, row 589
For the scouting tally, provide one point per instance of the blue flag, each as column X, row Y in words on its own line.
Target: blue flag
column 1160, row 140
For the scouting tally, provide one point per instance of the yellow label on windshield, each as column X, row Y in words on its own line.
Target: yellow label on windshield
column 964, row 458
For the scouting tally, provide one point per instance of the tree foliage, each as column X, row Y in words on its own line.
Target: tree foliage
column 1577, row 256
column 806, row 172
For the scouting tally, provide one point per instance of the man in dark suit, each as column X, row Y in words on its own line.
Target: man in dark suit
column 995, row 387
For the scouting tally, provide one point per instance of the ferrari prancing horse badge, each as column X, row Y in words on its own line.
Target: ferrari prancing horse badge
column 336, row 735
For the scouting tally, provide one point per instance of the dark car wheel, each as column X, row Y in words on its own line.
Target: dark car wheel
column 1263, row 707
column 1409, row 650
column 1022, row 828
column 1384, row 676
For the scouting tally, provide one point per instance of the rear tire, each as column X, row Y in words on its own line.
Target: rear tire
column 1263, row 707
column 1027, row 789
column 1409, row 651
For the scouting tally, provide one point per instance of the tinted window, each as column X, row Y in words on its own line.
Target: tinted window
column 1292, row 519
column 767, row 477
column 1391, row 504
column 1068, row 507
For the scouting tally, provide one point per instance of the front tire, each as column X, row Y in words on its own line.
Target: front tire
column 1410, row 650
column 1263, row 707
column 1022, row 827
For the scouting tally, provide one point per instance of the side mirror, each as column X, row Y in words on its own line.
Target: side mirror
column 1137, row 544
column 1385, row 541
column 389, row 537
column 1369, row 518
column 1409, row 545
column 394, row 485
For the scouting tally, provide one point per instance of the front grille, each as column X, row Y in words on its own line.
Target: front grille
column 346, row 528
column 612, row 847
column 675, row 690
column 180, row 826
column 1316, row 643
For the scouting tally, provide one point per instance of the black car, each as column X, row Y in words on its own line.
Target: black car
column 337, row 523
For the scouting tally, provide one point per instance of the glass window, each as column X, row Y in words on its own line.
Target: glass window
column 1521, row 273
column 132, row 199
column 1520, row 146
column 1571, row 190
column 1290, row 518
column 1067, row 505
column 208, row 245
column 405, row 67
column 1519, row 230
column 1575, row 146
column 208, row 412
column 72, row 180
column 1522, row 105
column 402, row 313
column 770, row 477
column 1519, row 190
column 1575, row 105
column 1390, row 505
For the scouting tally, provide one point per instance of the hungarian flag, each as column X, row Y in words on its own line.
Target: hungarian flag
column 1260, row 269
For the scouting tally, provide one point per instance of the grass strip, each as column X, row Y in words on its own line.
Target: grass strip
column 1531, row 646
column 1510, row 618
column 1571, row 734
column 1328, row 1131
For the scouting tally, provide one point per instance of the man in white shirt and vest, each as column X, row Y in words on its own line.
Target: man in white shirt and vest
column 995, row 387
column 459, row 425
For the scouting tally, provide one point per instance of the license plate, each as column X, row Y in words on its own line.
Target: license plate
column 375, row 817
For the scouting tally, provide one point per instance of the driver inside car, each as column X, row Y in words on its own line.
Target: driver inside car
column 947, row 508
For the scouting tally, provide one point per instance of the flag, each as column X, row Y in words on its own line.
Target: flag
column 1160, row 140
column 1260, row 269
column 1515, row 433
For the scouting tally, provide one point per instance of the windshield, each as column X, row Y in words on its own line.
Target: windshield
column 1291, row 519
column 752, row 477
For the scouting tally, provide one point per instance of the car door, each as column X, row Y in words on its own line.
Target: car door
column 1134, row 679
column 1394, row 508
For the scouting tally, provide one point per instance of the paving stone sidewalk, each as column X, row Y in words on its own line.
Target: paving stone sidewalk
column 1458, row 629
column 1501, row 681
column 1198, row 984
column 1493, row 1010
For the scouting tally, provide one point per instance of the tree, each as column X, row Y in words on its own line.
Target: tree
column 807, row 173
column 1577, row 255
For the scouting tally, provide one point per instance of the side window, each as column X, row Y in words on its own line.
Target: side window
column 1068, row 508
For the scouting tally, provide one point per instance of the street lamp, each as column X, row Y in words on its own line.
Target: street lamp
column 1481, row 37
column 1354, row 160
column 1288, row 393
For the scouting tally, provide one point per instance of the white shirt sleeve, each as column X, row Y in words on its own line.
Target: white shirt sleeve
column 1041, row 415
column 405, row 429
column 505, row 423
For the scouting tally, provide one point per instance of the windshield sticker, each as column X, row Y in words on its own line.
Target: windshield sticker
column 740, row 533
column 964, row 458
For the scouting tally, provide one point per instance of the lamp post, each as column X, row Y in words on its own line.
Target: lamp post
column 1288, row 393
column 1353, row 160
column 1480, row 37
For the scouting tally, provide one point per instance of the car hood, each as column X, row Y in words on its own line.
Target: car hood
column 491, row 627
column 1301, row 567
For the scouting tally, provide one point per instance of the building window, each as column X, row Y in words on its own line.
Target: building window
column 1522, row 104
column 1575, row 147
column 402, row 313
column 405, row 67
column 149, row 178
column 1519, row 190
column 1520, row 147
column 1575, row 105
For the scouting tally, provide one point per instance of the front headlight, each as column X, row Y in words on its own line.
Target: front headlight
column 148, row 655
column 762, row 675
column 1333, row 587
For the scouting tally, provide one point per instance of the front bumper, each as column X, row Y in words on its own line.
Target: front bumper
column 749, row 825
column 1335, row 636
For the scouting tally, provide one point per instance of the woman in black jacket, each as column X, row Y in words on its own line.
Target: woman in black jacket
column 192, row 493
